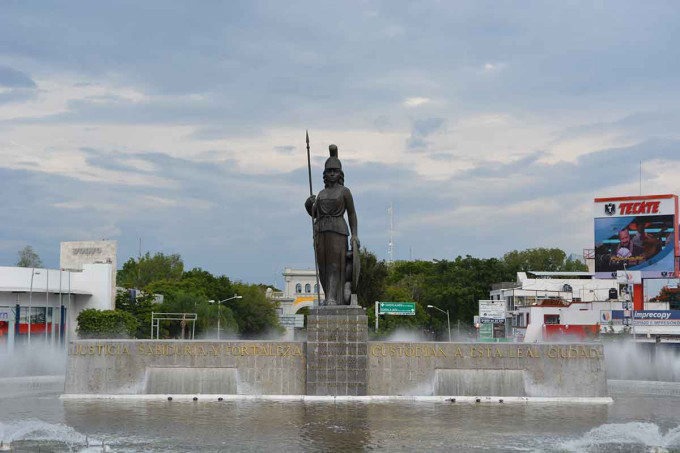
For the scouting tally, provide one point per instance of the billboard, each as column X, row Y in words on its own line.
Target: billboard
column 636, row 234
column 491, row 311
column 74, row 255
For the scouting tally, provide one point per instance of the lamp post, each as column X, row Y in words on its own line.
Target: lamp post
column 47, row 299
column 30, row 302
column 219, row 311
column 448, row 319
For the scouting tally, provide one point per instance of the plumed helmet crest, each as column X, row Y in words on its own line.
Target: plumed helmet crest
column 333, row 161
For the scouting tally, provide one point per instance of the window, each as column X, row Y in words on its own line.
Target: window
column 551, row 319
column 316, row 288
column 298, row 288
column 308, row 288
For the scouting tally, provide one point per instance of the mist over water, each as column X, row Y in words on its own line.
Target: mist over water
column 406, row 335
column 39, row 359
column 464, row 334
column 628, row 360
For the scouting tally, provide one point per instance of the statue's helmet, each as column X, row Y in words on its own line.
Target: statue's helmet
column 333, row 161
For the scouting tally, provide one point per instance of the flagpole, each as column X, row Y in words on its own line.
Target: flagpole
column 311, row 193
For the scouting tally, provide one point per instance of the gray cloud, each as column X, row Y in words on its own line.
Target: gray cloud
column 108, row 161
column 421, row 129
column 15, row 86
column 288, row 149
column 227, row 222
column 240, row 68
column 12, row 78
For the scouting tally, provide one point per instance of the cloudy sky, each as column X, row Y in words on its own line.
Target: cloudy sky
column 490, row 126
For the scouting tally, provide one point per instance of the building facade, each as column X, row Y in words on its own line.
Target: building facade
column 299, row 291
column 42, row 305
column 554, row 306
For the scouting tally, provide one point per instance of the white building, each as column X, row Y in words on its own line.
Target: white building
column 55, row 297
column 542, row 306
column 569, row 286
column 299, row 291
column 73, row 255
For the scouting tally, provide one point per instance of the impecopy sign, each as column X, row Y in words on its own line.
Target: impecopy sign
column 642, row 317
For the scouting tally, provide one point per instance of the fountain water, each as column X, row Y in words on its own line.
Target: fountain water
column 166, row 380
column 479, row 382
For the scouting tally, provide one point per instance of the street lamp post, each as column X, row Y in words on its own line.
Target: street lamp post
column 30, row 303
column 448, row 319
column 219, row 311
column 47, row 299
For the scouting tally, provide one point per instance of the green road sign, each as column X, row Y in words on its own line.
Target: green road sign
column 397, row 308
column 485, row 331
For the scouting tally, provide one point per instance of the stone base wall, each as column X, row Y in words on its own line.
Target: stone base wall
column 139, row 366
column 487, row 369
column 297, row 368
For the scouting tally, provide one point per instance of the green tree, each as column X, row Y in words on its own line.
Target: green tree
column 93, row 323
column 147, row 269
column 255, row 314
column 140, row 307
column 189, row 303
column 372, row 279
column 541, row 259
column 215, row 288
column 228, row 324
column 453, row 286
column 207, row 313
column 29, row 258
column 171, row 289
column 670, row 295
column 389, row 323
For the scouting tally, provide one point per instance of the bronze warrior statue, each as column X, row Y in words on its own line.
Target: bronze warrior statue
column 338, row 265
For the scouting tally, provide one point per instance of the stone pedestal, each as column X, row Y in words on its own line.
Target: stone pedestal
column 337, row 351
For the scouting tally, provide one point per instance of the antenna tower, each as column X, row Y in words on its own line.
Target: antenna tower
column 390, row 247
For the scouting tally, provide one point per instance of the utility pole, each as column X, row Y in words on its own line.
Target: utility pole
column 390, row 247
column 376, row 316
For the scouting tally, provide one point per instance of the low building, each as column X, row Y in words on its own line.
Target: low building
column 570, row 286
column 551, row 306
column 42, row 305
column 299, row 291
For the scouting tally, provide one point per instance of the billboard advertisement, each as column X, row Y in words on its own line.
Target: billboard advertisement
column 491, row 311
column 636, row 234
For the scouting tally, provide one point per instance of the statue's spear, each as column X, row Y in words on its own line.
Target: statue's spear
column 311, row 193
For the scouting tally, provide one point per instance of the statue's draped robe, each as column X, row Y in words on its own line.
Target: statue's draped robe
column 331, row 234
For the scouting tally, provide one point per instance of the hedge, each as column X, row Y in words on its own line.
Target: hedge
column 93, row 323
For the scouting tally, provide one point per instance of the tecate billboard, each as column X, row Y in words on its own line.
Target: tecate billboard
column 636, row 234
